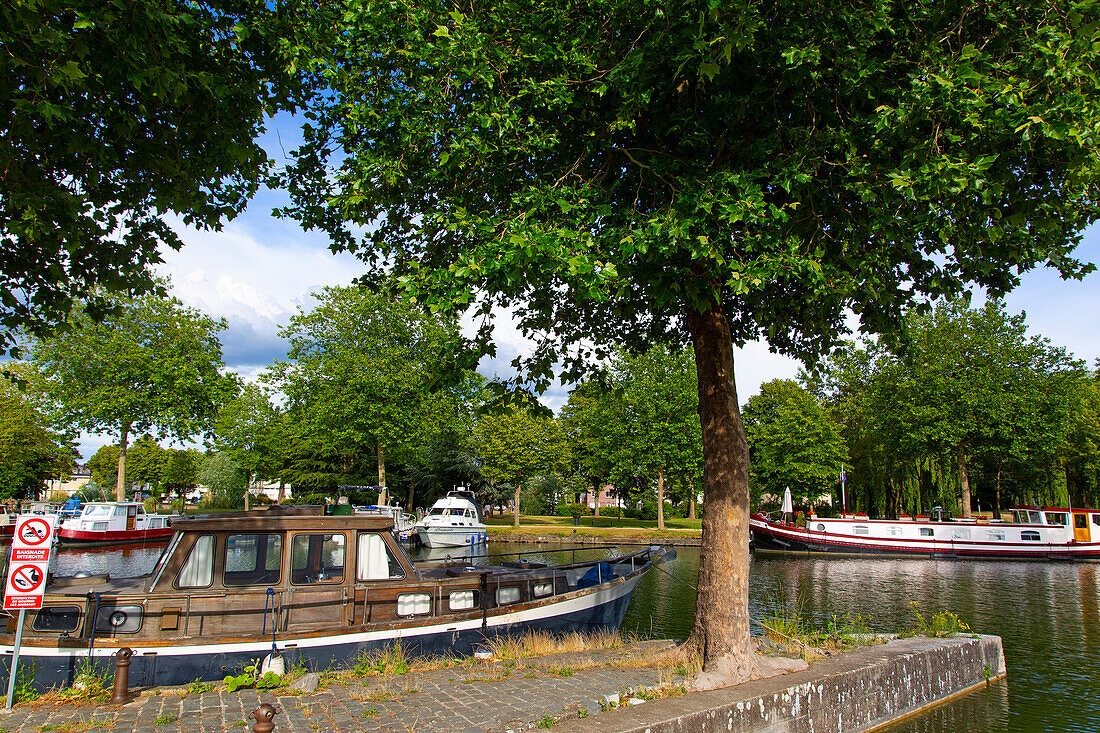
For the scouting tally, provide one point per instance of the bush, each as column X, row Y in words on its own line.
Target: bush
column 568, row 510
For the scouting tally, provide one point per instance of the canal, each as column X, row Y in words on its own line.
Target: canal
column 1046, row 613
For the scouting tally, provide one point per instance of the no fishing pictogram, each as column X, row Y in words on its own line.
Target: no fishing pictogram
column 26, row 578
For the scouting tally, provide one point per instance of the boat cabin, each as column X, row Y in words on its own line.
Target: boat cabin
column 109, row 516
column 1085, row 522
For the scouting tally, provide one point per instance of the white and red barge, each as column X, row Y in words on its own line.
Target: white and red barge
column 114, row 522
column 1035, row 533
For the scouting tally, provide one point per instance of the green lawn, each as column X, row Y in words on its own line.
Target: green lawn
column 527, row 520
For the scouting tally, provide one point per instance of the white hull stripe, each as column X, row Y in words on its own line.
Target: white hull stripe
column 560, row 608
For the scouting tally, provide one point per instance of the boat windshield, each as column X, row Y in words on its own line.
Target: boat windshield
column 445, row 512
column 92, row 512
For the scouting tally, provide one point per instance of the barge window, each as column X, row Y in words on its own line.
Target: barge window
column 1029, row 535
column 57, row 618
column 960, row 534
column 374, row 561
column 461, row 600
column 859, row 529
column 1080, row 521
column 198, row 571
column 253, row 559
column 414, row 604
column 1096, row 519
column 508, row 594
column 927, row 532
column 995, row 534
column 896, row 532
column 118, row 619
column 317, row 558
column 1058, row 518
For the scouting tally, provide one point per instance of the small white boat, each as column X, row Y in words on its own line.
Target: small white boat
column 109, row 522
column 1048, row 533
column 453, row 521
column 403, row 522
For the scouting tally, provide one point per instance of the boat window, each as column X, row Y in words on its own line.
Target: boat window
column 57, row 618
column 1029, row 535
column 93, row 512
column 1096, row 519
column 317, row 558
column 821, row 528
column 462, row 600
column 860, row 529
column 896, row 531
column 507, row 594
column 414, row 604
column 541, row 590
column 198, row 571
column 1034, row 518
column 118, row 619
column 927, row 532
column 1080, row 521
column 375, row 561
column 253, row 559
column 995, row 534
column 1058, row 518
column 960, row 534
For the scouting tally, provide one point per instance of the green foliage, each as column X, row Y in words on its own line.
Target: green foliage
column 103, row 139
column 388, row 661
column 937, row 625
column 571, row 508
column 793, row 442
column 251, row 677
column 31, row 450
column 225, row 479
column 151, row 367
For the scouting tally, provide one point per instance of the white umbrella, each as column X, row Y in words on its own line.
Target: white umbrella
column 788, row 503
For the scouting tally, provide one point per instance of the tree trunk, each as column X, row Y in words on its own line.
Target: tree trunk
column 515, row 507
column 964, row 482
column 247, row 489
column 282, row 489
column 383, row 496
column 596, row 501
column 123, row 442
column 661, row 498
column 691, row 498
column 411, row 495
column 997, row 496
column 720, row 633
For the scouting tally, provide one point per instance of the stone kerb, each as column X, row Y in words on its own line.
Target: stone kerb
column 854, row 692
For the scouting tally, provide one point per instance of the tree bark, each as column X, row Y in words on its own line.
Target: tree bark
column 383, row 497
column 721, row 629
column 411, row 495
column 964, row 482
column 596, row 501
column 282, row 489
column 123, row 442
column 997, row 496
column 691, row 498
column 661, row 498
column 515, row 506
column 247, row 489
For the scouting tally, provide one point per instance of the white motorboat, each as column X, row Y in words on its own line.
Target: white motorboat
column 453, row 521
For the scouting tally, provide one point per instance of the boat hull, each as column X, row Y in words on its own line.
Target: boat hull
column 775, row 537
column 450, row 536
column 89, row 538
column 598, row 609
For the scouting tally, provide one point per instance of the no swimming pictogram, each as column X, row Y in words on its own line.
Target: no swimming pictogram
column 34, row 531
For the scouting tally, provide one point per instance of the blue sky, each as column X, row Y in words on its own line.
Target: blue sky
column 259, row 270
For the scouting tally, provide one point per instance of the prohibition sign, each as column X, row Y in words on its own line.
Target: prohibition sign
column 26, row 578
column 34, row 531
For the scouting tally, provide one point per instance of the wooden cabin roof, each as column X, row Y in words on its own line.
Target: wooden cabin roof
column 264, row 521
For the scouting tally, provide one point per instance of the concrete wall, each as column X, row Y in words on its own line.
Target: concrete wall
column 855, row 691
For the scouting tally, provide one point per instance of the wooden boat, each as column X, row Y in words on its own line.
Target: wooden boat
column 321, row 590
column 1034, row 533
column 111, row 522
column 453, row 521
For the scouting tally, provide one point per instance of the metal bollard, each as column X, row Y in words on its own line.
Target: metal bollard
column 263, row 716
column 121, row 693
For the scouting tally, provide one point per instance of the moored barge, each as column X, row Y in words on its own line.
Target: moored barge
column 1034, row 534
column 320, row 590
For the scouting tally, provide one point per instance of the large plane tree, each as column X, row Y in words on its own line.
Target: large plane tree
column 624, row 172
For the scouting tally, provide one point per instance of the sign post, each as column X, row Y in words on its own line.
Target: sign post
column 28, row 565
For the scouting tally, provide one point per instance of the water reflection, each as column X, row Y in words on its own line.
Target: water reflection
column 125, row 561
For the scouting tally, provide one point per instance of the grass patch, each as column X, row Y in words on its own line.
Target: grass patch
column 937, row 625
column 164, row 719
column 540, row 643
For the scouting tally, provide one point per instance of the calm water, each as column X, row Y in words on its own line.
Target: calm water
column 1047, row 614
